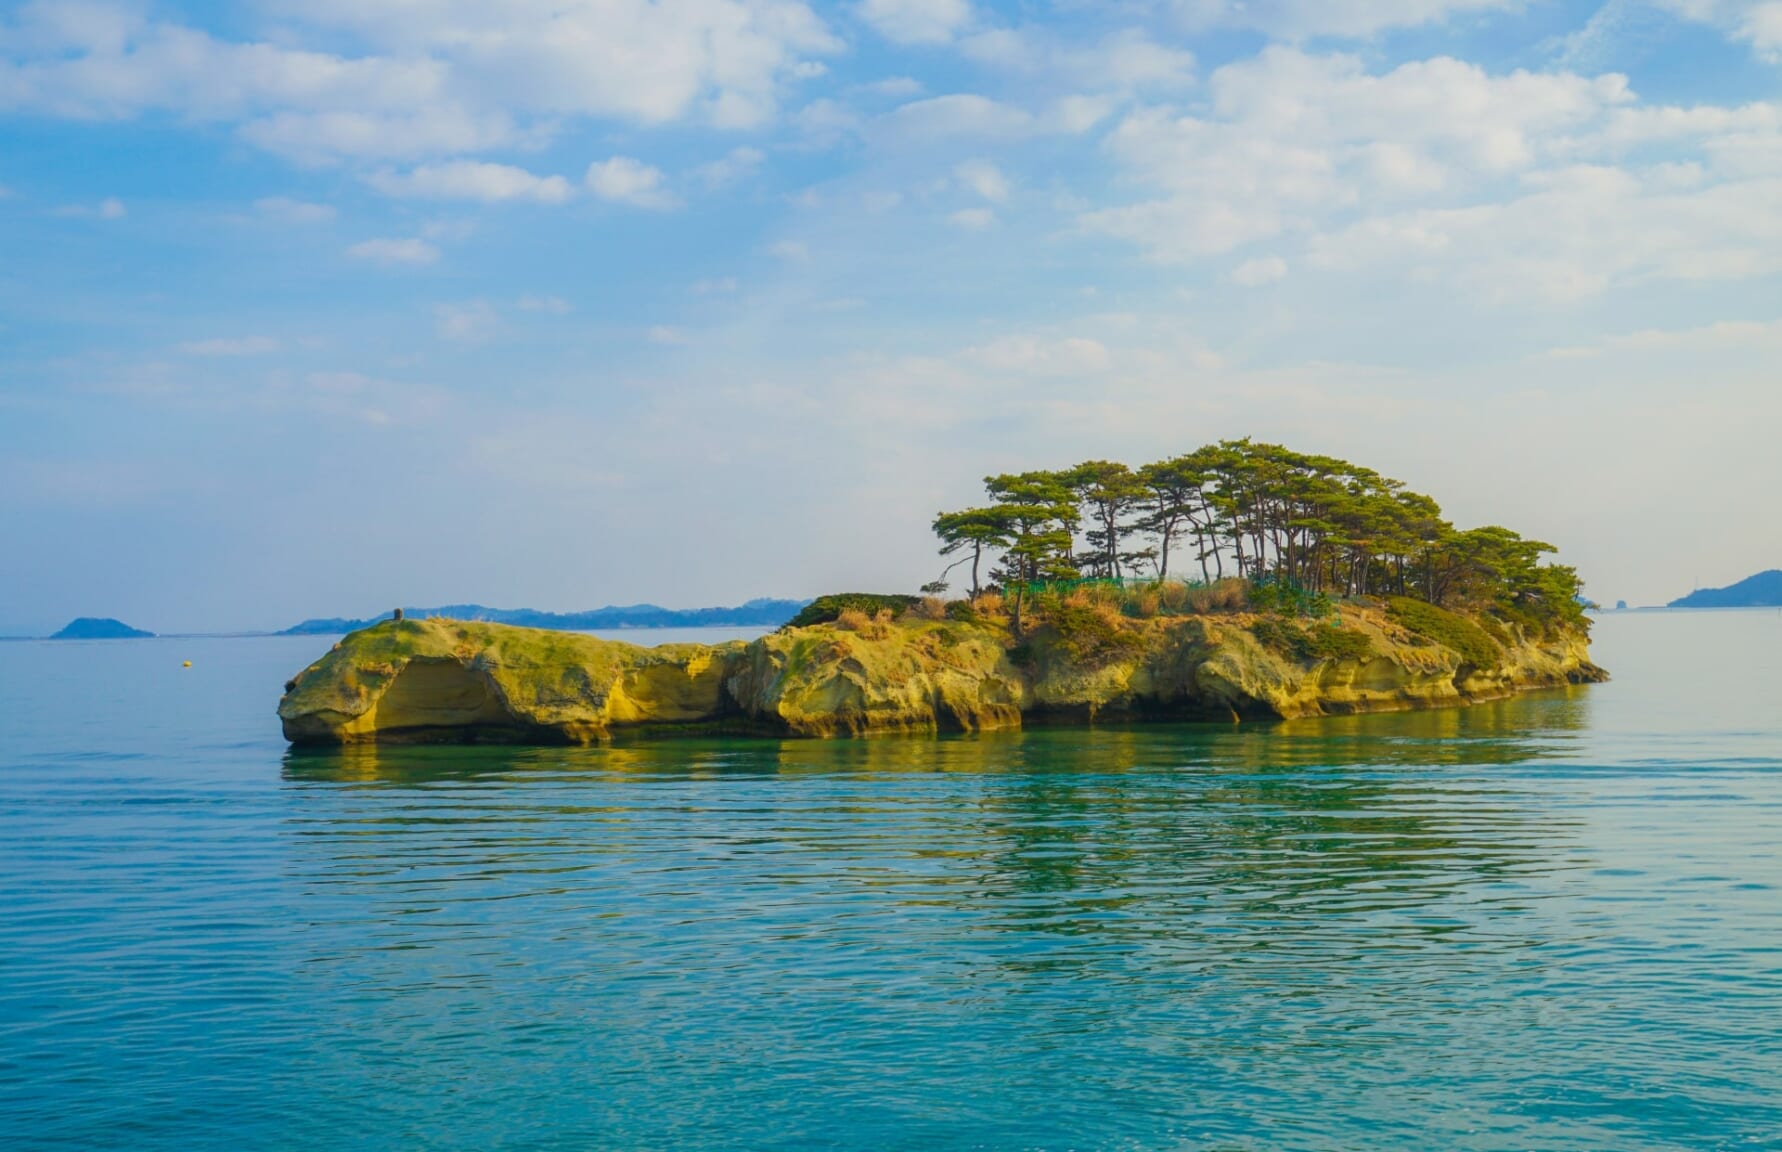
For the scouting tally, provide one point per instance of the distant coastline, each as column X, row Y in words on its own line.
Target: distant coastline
column 764, row 613
column 758, row 613
column 1763, row 590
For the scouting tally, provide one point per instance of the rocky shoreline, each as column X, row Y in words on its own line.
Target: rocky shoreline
column 440, row 680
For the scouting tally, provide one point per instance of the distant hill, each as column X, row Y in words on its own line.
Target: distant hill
column 1763, row 590
column 756, row 613
column 99, row 628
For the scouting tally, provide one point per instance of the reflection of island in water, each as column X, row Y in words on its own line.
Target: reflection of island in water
column 1535, row 726
column 1114, row 838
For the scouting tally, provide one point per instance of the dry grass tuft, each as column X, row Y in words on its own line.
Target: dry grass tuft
column 928, row 608
column 875, row 627
column 1227, row 595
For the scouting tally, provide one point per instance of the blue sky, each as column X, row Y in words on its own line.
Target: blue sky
column 313, row 308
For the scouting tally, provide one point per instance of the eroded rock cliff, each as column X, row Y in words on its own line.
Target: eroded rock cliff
column 454, row 680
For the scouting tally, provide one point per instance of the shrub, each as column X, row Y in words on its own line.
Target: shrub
column 1143, row 600
column 988, row 604
column 825, row 609
column 1316, row 643
column 1227, row 595
column 1533, row 626
column 928, row 608
column 1091, row 634
column 962, row 611
column 1273, row 634
column 875, row 627
column 1288, row 598
column 1172, row 597
column 1495, row 629
column 1340, row 644
column 1446, row 628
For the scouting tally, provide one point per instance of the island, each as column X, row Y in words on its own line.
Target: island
column 1763, row 590
column 1318, row 588
column 100, row 628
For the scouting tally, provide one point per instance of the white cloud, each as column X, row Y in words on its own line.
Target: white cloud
column 973, row 219
column 1302, row 19
column 468, row 323
column 1762, row 26
column 623, row 180
column 231, row 346
column 916, row 21
column 1573, row 235
column 472, row 180
column 553, row 305
column 663, row 334
column 791, row 251
column 984, row 179
column 967, row 115
column 738, row 164
column 1125, row 61
column 959, row 114
column 1553, row 185
column 1256, row 273
column 721, row 286
column 288, row 211
column 392, row 252
column 898, row 87
column 1754, row 22
column 317, row 138
column 439, row 77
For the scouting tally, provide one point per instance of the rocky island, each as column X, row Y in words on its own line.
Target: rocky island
column 1322, row 588
column 448, row 680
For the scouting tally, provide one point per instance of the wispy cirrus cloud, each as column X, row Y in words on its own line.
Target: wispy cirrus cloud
column 392, row 252
column 473, row 180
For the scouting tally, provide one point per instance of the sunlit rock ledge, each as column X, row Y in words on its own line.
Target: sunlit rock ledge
column 451, row 681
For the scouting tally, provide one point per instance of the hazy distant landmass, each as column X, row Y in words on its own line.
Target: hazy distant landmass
column 1763, row 590
column 755, row 613
column 99, row 628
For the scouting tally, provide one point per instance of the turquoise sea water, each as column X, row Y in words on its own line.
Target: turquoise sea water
column 1552, row 923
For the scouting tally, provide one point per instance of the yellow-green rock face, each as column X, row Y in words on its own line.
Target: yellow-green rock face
column 454, row 680
column 449, row 679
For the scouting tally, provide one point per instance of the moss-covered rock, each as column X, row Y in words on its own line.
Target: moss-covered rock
column 455, row 679
column 458, row 680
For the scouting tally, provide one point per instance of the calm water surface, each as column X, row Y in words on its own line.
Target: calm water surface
column 1554, row 923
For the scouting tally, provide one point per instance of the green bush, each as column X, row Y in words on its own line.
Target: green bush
column 1310, row 644
column 1090, row 635
column 962, row 611
column 825, row 609
column 1532, row 625
column 1496, row 629
column 1340, row 644
column 1448, row 629
column 1288, row 598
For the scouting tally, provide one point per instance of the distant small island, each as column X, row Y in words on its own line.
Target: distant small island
column 1318, row 588
column 1763, row 590
column 100, row 628
column 761, row 613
